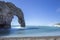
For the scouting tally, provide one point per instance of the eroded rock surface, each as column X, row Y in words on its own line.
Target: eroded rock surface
column 7, row 11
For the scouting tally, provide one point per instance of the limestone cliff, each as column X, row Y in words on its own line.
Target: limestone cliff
column 7, row 11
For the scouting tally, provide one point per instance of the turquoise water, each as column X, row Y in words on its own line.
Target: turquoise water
column 32, row 31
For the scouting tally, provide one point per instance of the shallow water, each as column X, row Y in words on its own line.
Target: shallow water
column 32, row 30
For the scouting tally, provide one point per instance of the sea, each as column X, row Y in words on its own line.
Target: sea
column 30, row 31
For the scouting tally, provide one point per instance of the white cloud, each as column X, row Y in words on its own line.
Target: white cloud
column 58, row 10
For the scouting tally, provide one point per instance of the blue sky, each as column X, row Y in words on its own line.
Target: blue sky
column 38, row 12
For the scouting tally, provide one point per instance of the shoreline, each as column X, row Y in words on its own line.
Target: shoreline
column 32, row 38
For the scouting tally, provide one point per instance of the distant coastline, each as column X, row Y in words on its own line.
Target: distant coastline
column 57, row 24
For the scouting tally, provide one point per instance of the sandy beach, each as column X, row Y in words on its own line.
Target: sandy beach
column 31, row 38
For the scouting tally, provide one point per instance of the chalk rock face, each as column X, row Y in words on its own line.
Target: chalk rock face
column 7, row 11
